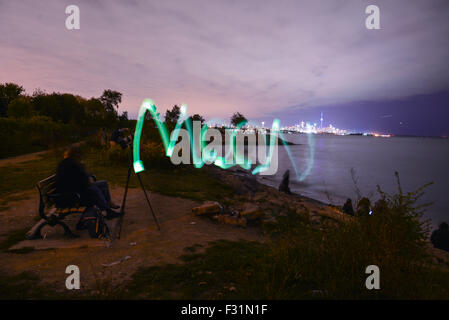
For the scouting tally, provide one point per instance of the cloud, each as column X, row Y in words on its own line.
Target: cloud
column 262, row 57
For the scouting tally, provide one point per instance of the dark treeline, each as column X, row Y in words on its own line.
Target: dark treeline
column 43, row 120
column 40, row 121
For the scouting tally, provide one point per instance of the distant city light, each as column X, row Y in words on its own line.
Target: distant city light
column 305, row 127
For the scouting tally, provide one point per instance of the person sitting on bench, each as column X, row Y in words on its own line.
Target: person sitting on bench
column 71, row 176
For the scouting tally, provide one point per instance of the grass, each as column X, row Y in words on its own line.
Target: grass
column 180, row 181
column 177, row 181
column 25, row 285
column 24, row 176
column 299, row 263
column 226, row 270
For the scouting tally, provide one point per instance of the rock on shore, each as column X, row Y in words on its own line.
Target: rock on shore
column 254, row 202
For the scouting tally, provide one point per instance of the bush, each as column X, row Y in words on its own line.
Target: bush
column 20, row 108
column 153, row 154
column 117, row 156
column 332, row 262
column 37, row 133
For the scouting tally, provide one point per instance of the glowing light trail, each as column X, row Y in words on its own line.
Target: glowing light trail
column 169, row 142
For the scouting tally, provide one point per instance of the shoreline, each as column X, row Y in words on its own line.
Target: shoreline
column 250, row 193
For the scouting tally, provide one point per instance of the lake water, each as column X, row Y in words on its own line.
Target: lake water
column 374, row 159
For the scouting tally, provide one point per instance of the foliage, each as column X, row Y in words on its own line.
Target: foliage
column 172, row 116
column 34, row 134
column 60, row 107
column 238, row 118
column 8, row 92
column 48, row 120
column 115, row 155
column 153, row 155
column 111, row 100
column 123, row 119
column 333, row 260
column 197, row 117
column 20, row 107
column 95, row 113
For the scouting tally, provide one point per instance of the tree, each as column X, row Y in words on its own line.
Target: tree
column 8, row 92
column 238, row 118
column 20, row 107
column 38, row 99
column 123, row 119
column 123, row 116
column 38, row 92
column 197, row 117
column 95, row 112
column 172, row 116
column 111, row 99
column 63, row 107
column 74, row 111
column 48, row 105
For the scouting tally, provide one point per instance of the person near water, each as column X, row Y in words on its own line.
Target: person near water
column 440, row 237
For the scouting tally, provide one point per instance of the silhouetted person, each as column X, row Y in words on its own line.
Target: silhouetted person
column 348, row 208
column 283, row 187
column 72, row 176
column 363, row 207
column 380, row 206
column 440, row 237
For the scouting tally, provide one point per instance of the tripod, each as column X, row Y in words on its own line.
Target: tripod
column 118, row 226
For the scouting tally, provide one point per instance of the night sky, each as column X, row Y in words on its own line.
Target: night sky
column 267, row 59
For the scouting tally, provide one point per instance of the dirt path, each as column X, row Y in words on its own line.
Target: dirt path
column 140, row 240
column 22, row 158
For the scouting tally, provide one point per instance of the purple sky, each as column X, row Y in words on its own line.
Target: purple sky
column 284, row 59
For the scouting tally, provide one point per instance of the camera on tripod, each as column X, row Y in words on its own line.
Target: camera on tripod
column 124, row 142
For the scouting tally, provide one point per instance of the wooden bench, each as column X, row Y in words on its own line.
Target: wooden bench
column 54, row 207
